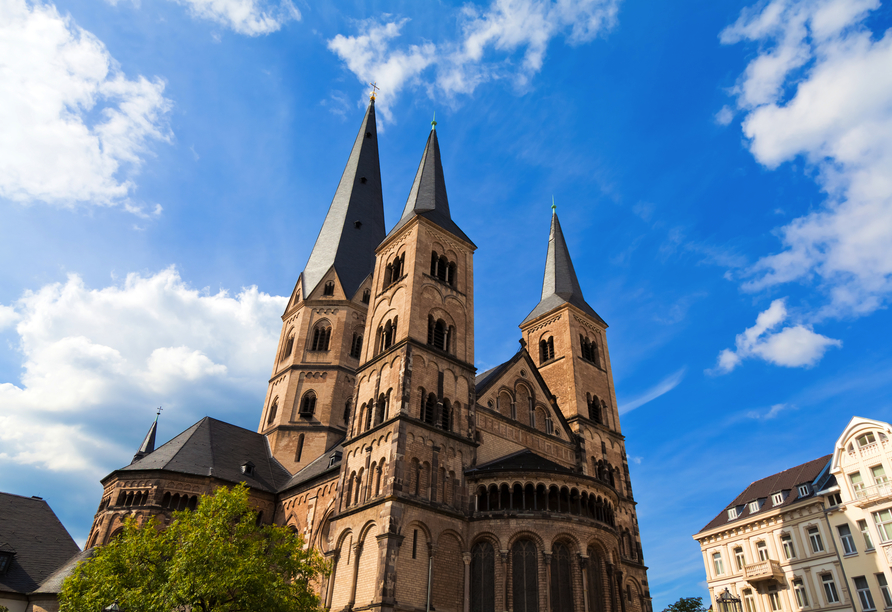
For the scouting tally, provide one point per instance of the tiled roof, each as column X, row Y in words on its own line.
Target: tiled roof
column 53, row 584
column 763, row 489
column 319, row 466
column 525, row 460
column 214, row 448
column 41, row 544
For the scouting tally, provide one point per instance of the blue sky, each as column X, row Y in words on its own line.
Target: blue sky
column 721, row 169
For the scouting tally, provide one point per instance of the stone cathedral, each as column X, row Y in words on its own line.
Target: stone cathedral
column 429, row 486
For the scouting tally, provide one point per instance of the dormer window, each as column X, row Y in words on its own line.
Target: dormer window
column 248, row 468
column 778, row 498
column 755, row 506
column 5, row 560
column 804, row 490
column 733, row 513
column 334, row 458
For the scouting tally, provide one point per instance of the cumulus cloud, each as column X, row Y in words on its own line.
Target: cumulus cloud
column 483, row 48
column 81, row 128
column 249, row 17
column 820, row 87
column 94, row 359
column 793, row 346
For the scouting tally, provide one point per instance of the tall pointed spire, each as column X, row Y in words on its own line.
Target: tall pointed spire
column 428, row 195
column 148, row 444
column 560, row 285
column 354, row 226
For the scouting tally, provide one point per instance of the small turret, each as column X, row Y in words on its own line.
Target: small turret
column 148, row 444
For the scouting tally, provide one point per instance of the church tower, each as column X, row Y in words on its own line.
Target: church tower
column 308, row 402
column 412, row 431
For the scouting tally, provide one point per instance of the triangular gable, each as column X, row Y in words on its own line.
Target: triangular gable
column 297, row 294
column 507, row 375
column 317, row 292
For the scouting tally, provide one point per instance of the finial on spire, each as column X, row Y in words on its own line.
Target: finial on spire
column 434, row 121
column 374, row 93
column 553, row 205
column 158, row 414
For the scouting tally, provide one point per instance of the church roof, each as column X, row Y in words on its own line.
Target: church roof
column 763, row 489
column 330, row 461
column 354, row 225
column 41, row 544
column 560, row 285
column 524, row 460
column 53, row 584
column 148, row 443
column 427, row 197
column 218, row 449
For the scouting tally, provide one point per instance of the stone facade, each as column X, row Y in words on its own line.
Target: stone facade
column 429, row 487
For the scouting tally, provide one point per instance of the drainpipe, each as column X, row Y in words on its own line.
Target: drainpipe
column 430, row 566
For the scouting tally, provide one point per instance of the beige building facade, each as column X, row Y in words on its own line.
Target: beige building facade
column 427, row 485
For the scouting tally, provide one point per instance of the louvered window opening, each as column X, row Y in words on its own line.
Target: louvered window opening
column 483, row 578
column 525, row 576
column 321, row 338
column 546, row 349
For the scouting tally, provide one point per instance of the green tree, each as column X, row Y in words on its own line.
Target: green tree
column 686, row 604
column 214, row 559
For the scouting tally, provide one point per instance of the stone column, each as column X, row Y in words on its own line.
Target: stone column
column 504, row 556
column 357, row 553
column 611, row 587
column 619, row 587
column 466, row 557
column 547, row 556
column 388, row 549
column 329, row 586
column 583, row 567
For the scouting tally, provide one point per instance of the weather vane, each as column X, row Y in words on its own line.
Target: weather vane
column 375, row 90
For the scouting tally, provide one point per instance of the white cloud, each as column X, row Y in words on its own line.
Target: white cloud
column 249, row 17
column 793, row 346
column 771, row 414
column 81, row 127
column 820, row 87
column 664, row 386
column 94, row 358
column 481, row 50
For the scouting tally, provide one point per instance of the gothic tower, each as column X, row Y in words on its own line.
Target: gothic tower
column 412, row 431
column 307, row 406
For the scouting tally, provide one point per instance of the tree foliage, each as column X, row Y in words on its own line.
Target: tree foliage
column 686, row 604
column 214, row 559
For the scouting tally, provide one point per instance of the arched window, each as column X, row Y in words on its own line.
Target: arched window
column 446, row 416
column 438, row 333
column 349, row 497
column 561, row 579
column 368, row 415
column 366, row 296
column 595, row 573
column 321, row 337
column 381, row 409
column 328, row 289
column 300, row 448
column 435, row 259
column 443, row 269
column 347, row 410
column 483, row 578
column 356, row 345
column 429, row 410
column 308, row 404
column 594, row 409
column 289, row 346
column 525, row 576
column 546, row 349
column 272, row 411
column 387, row 335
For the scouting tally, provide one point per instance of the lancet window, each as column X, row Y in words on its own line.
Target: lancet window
column 561, row 579
column 525, row 576
column 483, row 578
column 273, row 410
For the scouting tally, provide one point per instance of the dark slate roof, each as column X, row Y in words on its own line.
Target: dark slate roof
column 560, row 285
column 428, row 195
column 525, row 460
column 351, row 249
column 29, row 527
column 214, row 448
column 53, row 584
column 788, row 480
column 148, row 444
column 317, row 467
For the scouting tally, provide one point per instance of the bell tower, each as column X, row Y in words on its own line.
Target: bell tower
column 308, row 402
column 412, row 431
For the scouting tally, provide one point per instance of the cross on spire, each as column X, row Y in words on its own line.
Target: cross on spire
column 375, row 90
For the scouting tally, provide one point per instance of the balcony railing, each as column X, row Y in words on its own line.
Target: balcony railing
column 763, row 570
column 872, row 493
column 869, row 450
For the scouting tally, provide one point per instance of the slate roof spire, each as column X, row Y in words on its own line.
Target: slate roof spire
column 148, row 444
column 354, row 225
column 427, row 197
column 560, row 285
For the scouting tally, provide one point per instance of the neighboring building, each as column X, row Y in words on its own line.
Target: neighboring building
column 427, row 485
column 827, row 542
column 34, row 548
column 771, row 546
column 861, row 510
